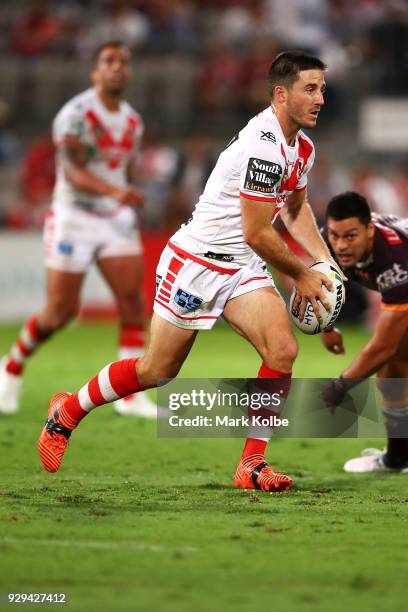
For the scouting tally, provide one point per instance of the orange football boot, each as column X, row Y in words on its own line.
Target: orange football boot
column 254, row 473
column 54, row 437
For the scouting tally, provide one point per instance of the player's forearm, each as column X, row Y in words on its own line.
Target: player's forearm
column 271, row 248
column 303, row 228
column 390, row 328
column 85, row 181
column 370, row 360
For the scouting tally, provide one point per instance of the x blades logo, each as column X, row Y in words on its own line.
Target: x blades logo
column 269, row 136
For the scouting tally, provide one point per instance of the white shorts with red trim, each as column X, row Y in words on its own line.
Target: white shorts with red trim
column 73, row 238
column 192, row 291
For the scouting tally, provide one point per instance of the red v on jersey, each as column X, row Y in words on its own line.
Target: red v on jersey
column 289, row 183
column 105, row 141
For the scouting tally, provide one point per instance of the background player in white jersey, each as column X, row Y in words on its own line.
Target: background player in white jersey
column 97, row 135
column 214, row 265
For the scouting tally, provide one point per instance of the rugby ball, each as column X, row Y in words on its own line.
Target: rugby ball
column 310, row 324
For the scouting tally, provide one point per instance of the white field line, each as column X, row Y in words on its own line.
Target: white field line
column 97, row 545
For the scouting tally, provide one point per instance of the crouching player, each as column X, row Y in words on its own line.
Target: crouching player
column 373, row 251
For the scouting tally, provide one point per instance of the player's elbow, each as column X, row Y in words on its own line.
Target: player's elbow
column 252, row 237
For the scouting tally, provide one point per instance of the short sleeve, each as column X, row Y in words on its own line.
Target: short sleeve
column 261, row 170
column 69, row 122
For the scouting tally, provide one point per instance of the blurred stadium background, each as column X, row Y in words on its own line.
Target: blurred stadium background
column 136, row 522
column 199, row 75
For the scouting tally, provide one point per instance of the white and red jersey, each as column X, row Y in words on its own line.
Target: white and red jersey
column 111, row 140
column 257, row 164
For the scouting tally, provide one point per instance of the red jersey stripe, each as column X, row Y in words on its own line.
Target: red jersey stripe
column 163, row 297
column 175, row 265
column 391, row 236
column 169, row 278
column 203, row 262
column 257, row 198
column 254, row 278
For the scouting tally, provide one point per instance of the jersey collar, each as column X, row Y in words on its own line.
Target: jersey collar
column 282, row 135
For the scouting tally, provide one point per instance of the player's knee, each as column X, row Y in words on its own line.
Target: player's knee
column 282, row 353
column 286, row 348
column 169, row 370
column 291, row 349
column 157, row 374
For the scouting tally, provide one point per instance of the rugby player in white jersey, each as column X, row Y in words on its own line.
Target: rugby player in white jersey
column 97, row 136
column 215, row 265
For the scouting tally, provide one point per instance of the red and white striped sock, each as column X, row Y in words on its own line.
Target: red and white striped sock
column 257, row 446
column 28, row 341
column 115, row 380
column 131, row 341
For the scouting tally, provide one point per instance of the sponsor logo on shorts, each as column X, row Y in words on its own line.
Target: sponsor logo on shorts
column 269, row 136
column 262, row 175
column 66, row 248
column 219, row 256
column 187, row 301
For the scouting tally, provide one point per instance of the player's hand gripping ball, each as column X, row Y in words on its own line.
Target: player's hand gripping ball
column 310, row 323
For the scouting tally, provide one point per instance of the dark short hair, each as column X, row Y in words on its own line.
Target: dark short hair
column 109, row 44
column 286, row 66
column 349, row 204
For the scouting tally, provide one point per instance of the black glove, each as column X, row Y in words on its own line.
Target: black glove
column 336, row 390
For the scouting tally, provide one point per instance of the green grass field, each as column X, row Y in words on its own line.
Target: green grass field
column 133, row 522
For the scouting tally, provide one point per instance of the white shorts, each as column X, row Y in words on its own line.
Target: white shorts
column 73, row 238
column 191, row 291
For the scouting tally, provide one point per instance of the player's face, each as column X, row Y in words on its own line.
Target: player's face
column 304, row 99
column 112, row 71
column 350, row 240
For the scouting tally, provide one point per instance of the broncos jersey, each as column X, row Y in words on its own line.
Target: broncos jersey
column 386, row 269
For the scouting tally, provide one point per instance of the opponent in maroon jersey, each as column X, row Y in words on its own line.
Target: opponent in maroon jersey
column 373, row 251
